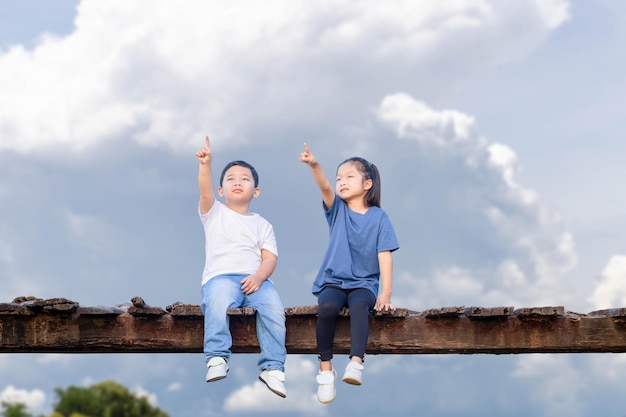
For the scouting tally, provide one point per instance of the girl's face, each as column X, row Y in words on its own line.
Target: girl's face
column 350, row 183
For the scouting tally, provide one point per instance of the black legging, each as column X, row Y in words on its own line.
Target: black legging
column 330, row 301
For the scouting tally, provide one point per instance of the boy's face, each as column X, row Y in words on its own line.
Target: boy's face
column 238, row 185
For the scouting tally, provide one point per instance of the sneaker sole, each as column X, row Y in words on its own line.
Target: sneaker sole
column 216, row 378
column 280, row 394
column 327, row 401
column 352, row 381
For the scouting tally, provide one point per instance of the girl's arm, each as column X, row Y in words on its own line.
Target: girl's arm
column 385, row 262
column 253, row 282
column 328, row 193
column 205, row 179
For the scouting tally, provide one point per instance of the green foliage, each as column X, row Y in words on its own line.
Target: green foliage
column 105, row 399
column 14, row 410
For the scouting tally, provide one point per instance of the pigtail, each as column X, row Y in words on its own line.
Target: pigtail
column 373, row 195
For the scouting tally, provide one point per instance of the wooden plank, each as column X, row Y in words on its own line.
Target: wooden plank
column 489, row 312
column 415, row 334
column 611, row 312
column 62, row 326
column 444, row 312
column 540, row 312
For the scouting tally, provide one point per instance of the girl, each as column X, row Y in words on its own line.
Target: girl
column 357, row 258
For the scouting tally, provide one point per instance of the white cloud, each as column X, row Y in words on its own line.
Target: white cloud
column 533, row 250
column 446, row 287
column 511, row 273
column 557, row 383
column 504, row 159
column 416, row 292
column 610, row 290
column 609, row 368
column 457, row 282
column 301, row 397
column 141, row 392
column 93, row 233
column 156, row 73
column 413, row 119
column 34, row 399
column 175, row 387
column 554, row 12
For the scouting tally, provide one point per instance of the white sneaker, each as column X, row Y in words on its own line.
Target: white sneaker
column 354, row 373
column 218, row 368
column 275, row 381
column 326, row 389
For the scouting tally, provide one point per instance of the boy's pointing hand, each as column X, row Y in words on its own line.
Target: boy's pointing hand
column 204, row 155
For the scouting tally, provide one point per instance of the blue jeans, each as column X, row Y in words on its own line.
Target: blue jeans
column 223, row 292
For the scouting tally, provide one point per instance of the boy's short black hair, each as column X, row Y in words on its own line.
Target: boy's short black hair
column 244, row 164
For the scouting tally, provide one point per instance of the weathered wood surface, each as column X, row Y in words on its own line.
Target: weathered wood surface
column 32, row 325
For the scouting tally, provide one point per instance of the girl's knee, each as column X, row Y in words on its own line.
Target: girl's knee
column 360, row 305
column 328, row 309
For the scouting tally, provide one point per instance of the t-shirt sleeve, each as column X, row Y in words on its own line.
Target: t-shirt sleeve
column 204, row 218
column 387, row 240
column 331, row 213
column 269, row 239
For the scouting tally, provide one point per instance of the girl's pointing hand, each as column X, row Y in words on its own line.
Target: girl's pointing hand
column 307, row 157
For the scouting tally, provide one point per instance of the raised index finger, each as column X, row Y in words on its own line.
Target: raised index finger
column 306, row 148
column 208, row 144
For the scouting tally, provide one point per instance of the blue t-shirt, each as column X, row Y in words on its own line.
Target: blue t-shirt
column 351, row 259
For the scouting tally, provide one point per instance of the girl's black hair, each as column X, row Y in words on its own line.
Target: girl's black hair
column 244, row 164
column 370, row 172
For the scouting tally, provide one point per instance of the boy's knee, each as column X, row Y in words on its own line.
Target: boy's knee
column 269, row 310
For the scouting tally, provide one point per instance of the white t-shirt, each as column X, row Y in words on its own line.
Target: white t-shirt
column 233, row 241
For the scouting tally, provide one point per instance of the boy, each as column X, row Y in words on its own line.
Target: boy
column 241, row 255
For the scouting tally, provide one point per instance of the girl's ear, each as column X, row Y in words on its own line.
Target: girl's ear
column 368, row 184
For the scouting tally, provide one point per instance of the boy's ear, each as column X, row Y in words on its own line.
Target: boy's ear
column 256, row 193
column 220, row 191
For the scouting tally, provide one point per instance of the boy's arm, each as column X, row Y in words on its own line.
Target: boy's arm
column 253, row 282
column 328, row 193
column 385, row 262
column 205, row 179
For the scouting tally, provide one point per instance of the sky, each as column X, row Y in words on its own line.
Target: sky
column 496, row 127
